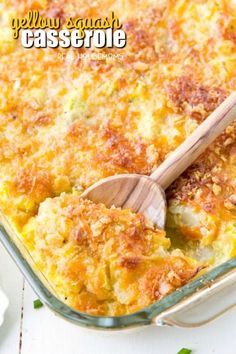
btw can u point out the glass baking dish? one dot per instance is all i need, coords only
(196, 303)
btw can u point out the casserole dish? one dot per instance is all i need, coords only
(67, 123)
(186, 307)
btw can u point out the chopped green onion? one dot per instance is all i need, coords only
(185, 351)
(37, 304)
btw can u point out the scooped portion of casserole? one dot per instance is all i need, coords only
(104, 261)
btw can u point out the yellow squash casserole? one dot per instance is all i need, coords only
(69, 118)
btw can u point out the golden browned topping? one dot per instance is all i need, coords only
(195, 99)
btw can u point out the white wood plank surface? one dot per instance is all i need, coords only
(45, 333)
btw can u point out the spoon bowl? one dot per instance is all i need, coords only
(136, 192)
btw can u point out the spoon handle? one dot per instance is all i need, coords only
(196, 143)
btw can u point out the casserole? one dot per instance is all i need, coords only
(66, 123)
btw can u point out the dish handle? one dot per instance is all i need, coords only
(204, 306)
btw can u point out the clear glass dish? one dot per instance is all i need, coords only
(172, 310)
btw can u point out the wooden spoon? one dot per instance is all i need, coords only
(146, 194)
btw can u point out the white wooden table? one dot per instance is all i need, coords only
(29, 331)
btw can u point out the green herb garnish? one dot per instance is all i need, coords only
(185, 351)
(37, 304)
